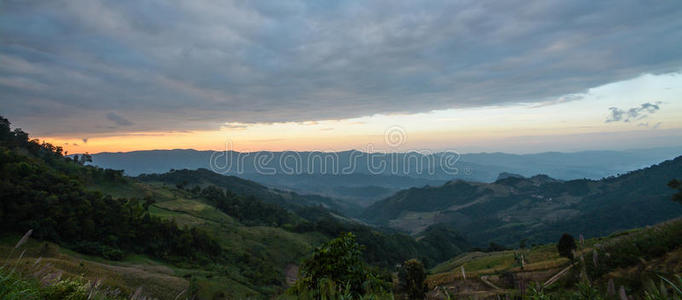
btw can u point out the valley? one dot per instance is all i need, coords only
(252, 240)
(340, 150)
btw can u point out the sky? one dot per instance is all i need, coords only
(467, 76)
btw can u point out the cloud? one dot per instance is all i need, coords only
(646, 124)
(199, 64)
(632, 114)
(118, 120)
(235, 126)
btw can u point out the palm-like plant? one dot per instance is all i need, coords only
(660, 292)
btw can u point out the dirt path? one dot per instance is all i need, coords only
(488, 283)
(556, 277)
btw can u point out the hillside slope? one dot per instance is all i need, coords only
(213, 238)
(536, 208)
(247, 188)
(632, 259)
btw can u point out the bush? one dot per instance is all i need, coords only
(566, 246)
(411, 279)
(336, 269)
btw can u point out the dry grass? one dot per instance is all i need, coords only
(156, 280)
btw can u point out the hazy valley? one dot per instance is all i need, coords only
(340, 150)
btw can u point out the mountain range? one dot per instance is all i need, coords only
(537, 208)
(363, 178)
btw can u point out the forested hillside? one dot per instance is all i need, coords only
(536, 209)
(43, 191)
(207, 228)
(191, 179)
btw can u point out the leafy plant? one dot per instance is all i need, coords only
(536, 292)
(661, 292)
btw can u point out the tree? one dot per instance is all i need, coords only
(676, 184)
(492, 247)
(338, 260)
(411, 279)
(522, 243)
(566, 246)
(336, 268)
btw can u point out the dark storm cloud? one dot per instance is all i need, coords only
(198, 64)
(633, 114)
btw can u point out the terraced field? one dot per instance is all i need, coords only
(487, 274)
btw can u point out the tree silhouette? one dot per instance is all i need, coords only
(676, 184)
(566, 246)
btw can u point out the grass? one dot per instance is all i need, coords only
(543, 261)
(249, 252)
(267, 248)
(133, 272)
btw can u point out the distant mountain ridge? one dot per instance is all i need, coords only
(473, 166)
(538, 208)
(330, 173)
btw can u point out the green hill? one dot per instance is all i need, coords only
(635, 259)
(536, 209)
(212, 236)
(203, 177)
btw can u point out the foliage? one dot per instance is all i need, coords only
(566, 246)
(255, 205)
(411, 279)
(538, 209)
(16, 285)
(587, 291)
(336, 268)
(45, 191)
(386, 249)
(661, 291)
(635, 249)
(536, 292)
(61, 198)
(248, 210)
(12, 287)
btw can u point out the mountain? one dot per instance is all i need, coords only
(538, 208)
(359, 189)
(363, 178)
(196, 232)
(474, 166)
(246, 188)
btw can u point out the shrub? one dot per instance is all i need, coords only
(566, 246)
(411, 279)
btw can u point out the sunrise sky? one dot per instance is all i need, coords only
(469, 76)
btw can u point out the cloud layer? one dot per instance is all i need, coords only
(66, 66)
